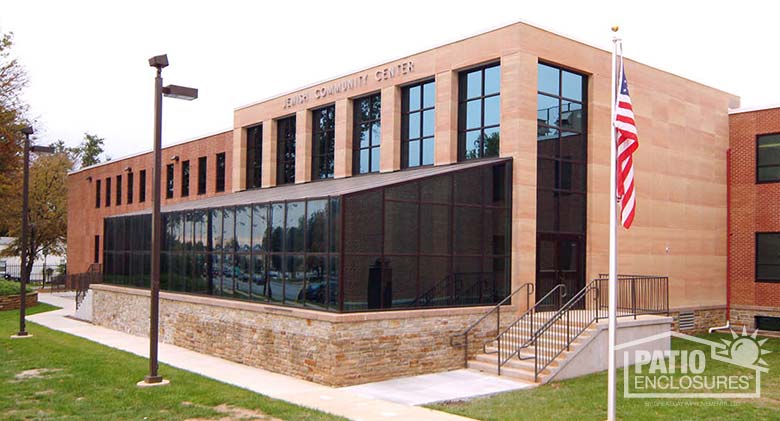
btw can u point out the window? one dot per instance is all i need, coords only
(108, 192)
(768, 158)
(285, 137)
(142, 186)
(129, 188)
(96, 258)
(479, 112)
(323, 142)
(221, 172)
(254, 157)
(202, 168)
(367, 134)
(169, 181)
(185, 178)
(417, 125)
(118, 190)
(97, 193)
(768, 257)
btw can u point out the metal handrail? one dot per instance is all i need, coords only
(562, 291)
(496, 309)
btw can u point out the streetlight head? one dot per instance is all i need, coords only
(28, 130)
(180, 92)
(159, 61)
(41, 149)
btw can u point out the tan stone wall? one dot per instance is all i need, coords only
(12, 302)
(332, 349)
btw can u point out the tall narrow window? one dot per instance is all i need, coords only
(323, 142)
(367, 134)
(169, 181)
(254, 156)
(96, 258)
(185, 178)
(768, 257)
(479, 112)
(142, 186)
(417, 123)
(202, 170)
(129, 188)
(97, 193)
(108, 192)
(118, 190)
(768, 158)
(221, 172)
(285, 166)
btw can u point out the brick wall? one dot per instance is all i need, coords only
(85, 221)
(754, 208)
(12, 302)
(331, 349)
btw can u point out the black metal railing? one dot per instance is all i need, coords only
(81, 283)
(637, 294)
(462, 288)
(40, 275)
(520, 334)
(527, 287)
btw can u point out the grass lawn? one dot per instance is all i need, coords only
(585, 398)
(55, 375)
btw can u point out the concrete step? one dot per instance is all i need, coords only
(521, 374)
(527, 364)
(528, 353)
(547, 340)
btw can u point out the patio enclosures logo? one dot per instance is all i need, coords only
(727, 369)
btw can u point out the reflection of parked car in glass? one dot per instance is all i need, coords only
(316, 289)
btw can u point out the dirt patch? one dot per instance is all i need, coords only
(231, 413)
(44, 392)
(36, 373)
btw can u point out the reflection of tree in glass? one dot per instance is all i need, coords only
(489, 146)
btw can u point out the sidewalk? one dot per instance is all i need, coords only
(300, 392)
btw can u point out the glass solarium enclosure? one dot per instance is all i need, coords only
(429, 237)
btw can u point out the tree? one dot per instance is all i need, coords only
(48, 208)
(88, 152)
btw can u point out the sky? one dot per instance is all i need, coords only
(87, 61)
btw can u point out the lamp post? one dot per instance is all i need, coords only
(180, 92)
(27, 131)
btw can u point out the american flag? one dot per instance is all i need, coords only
(627, 144)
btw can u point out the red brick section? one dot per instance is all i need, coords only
(754, 207)
(85, 221)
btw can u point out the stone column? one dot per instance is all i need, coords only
(343, 144)
(446, 135)
(303, 146)
(390, 149)
(269, 153)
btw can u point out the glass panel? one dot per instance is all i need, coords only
(364, 154)
(548, 110)
(435, 282)
(495, 185)
(435, 229)
(769, 174)
(260, 228)
(768, 272)
(228, 274)
(259, 286)
(429, 123)
(200, 283)
(427, 152)
(376, 133)
(277, 227)
(244, 228)
(401, 229)
(316, 293)
(468, 187)
(363, 223)
(492, 80)
(186, 232)
(549, 78)
(474, 114)
(275, 278)
(200, 229)
(375, 159)
(404, 191)
(429, 94)
(243, 270)
(335, 226)
(769, 150)
(364, 135)
(494, 231)
(359, 272)
(547, 142)
(572, 209)
(296, 219)
(472, 141)
(474, 84)
(571, 115)
(572, 86)
(294, 280)
(317, 226)
(546, 211)
(414, 153)
(468, 230)
(414, 98)
(436, 189)
(768, 248)
(545, 173)
(399, 283)
(228, 227)
(333, 283)
(414, 126)
(492, 110)
(491, 142)
(216, 274)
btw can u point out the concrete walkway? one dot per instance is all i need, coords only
(343, 402)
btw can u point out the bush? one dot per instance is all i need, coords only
(11, 287)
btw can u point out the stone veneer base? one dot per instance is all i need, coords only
(12, 302)
(326, 348)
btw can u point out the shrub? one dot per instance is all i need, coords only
(11, 287)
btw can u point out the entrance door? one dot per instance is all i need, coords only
(560, 259)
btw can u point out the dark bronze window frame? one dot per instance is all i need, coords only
(169, 181)
(758, 152)
(286, 138)
(185, 178)
(220, 169)
(317, 155)
(356, 123)
(254, 156)
(757, 263)
(142, 186)
(463, 101)
(406, 112)
(202, 174)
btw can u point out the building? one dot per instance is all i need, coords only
(754, 220)
(431, 185)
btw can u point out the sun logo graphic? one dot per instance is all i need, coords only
(726, 368)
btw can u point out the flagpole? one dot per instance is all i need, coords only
(611, 383)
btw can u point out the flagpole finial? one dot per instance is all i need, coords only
(615, 28)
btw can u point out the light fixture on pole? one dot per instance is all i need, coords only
(25, 275)
(173, 91)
